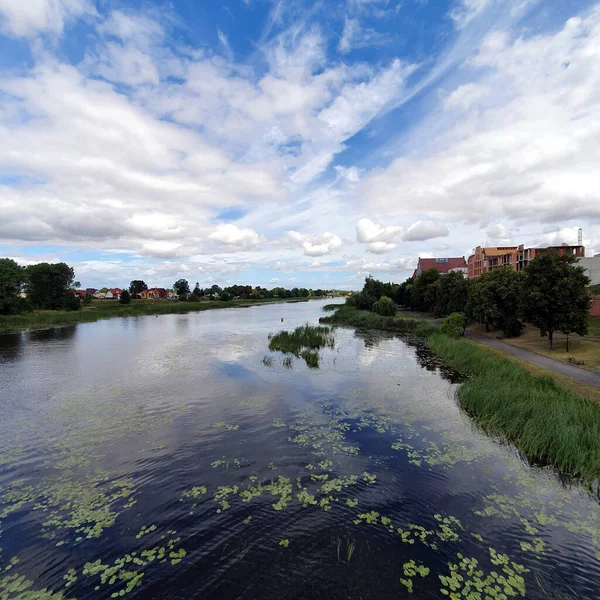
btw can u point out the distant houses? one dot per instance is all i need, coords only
(154, 294)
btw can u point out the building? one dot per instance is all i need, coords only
(483, 260)
(526, 255)
(441, 265)
(154, 293)
(591, 265)
(113, 294)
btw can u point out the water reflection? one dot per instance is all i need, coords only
(169, 438)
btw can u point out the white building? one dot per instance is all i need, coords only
(591, 265)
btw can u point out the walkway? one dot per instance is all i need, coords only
(562, 368)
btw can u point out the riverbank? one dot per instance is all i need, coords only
(107, 309)
(548, 424)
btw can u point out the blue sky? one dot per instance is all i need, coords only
(288, 143)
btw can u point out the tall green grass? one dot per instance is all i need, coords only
(352, 317)
(548, 424)
(305, 337)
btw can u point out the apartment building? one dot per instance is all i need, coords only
(484, 260)
(526, 255)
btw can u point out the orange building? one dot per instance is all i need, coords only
(525, 255)
(484, 260)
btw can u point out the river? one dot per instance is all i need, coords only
(165, 457)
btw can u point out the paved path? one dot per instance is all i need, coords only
(582, 375)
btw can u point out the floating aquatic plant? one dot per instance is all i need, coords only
(284, 543)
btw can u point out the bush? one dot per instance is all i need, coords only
(361, 300)
(385, 307)
(125, 297)
(454, 325)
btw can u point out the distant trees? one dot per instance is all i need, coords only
(12, 277)
(125, 297)
(554, 295)
(182, 288)
(49, 287)
(136, 287)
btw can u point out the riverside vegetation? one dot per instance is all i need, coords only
(548, 424)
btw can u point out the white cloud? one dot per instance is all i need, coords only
(26, 18)
(317, 244)
(424, 230)
(498, 231)
(355, 36)
(466, 95)
(529, 157)
(368, 232)
(232, 235)
(380, 247)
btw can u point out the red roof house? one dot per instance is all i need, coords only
(442, 265)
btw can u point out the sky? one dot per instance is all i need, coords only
(292, 143)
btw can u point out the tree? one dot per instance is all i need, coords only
(452, 294)
(12, 277)
(421, 297)
(555, 296)
(196, 294)
(454, 325)
(49, 286)
(385, 307)
(225, 296)
(136, 287)
(125, 297)
(182, 288)
(494, 301)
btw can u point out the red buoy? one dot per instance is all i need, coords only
(282, 319)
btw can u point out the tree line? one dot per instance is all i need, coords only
(242, 292)
(550, 293)
(51, 286)
(48, 287)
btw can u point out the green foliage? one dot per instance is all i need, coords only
(555, 296)
(225, 297)
(423, 293)
(125, 297)
(454, 325)
(182, 288)
(452, 293)
(136, 287)
(385, 307)
(49, 286)
(351, 317)
(494, 300)
(12, 277)
(302, 338)
(548, 424)
(372, 290)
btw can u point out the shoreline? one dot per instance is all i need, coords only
(549, 424)
(41, 320)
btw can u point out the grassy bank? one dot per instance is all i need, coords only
(547, 423)
(352, 317)
(106, 309)
(580, 349)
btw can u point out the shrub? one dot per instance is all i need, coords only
(454, 325)
(361, 300)
(125, 297)
(385, 307)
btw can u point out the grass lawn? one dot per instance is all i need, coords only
(579, 349)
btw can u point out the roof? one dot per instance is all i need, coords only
(442, 265)
(500, 250)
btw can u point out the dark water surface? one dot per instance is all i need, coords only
(161, 458)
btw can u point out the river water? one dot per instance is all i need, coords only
(165, 457)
